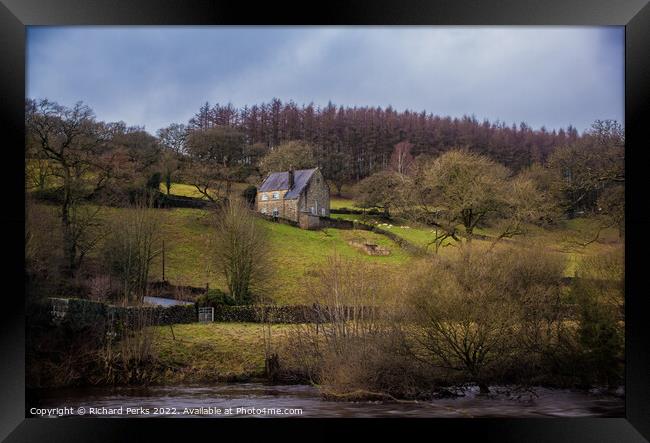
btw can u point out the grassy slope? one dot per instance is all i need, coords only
(298, 253)
(295, 252)
(555, 240)
(204, 352)
(186, 190)
(341, 202)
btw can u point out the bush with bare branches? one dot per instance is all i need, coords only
(131, 247)
(476, 316)
(354, 349)
(241, 252)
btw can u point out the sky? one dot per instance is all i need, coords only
(154, 76)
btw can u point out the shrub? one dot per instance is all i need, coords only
(241, 252)
(215, 297)
(487, 315)
(128, 252)
(599, 291)
(153, 182)
(354, 349)
(249, 194)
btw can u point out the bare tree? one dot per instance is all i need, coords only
(590, 166)
(210, 180)
(381, 190)
(294, 154)
(75, 146)
(524, 204)
(170, 167)
(464, 189)
(129, 251)
(241, 251)
(474, 315)
(217, 153)
(38, 170)
(173, 137)
(343, 347)
(401, 160)
(458, 187)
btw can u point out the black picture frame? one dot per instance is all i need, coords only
(15, 15)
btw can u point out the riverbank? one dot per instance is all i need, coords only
(263, 400)
(213, 352)
(222, 365)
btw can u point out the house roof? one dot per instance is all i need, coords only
(279, 181)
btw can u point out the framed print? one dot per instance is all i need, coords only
(429, 216)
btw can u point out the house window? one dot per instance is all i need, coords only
(263, 211)
(322, 211)
(276, 196)
(313, 210)
(265, 197)
(275, 212)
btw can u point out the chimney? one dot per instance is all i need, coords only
(291, 177)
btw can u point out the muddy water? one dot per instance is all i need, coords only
(259, 400)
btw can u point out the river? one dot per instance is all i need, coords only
(261, 400)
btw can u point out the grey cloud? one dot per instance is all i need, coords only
(154, 76)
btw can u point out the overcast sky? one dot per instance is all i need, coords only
(153, 76)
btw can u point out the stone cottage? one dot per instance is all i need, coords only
(301, 196)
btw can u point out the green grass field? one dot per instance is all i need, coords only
(213, 352)
(185, 190)
(560, 239)
(415, 233)
(297, 253)
(342, 202)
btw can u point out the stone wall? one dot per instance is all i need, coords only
(291, 209)
(309, 221)
(326, 222)
(288, 314)
(278, 220)
(81, 312)
(316, 196)
(177, 201)
(286, 208)
(337, 223)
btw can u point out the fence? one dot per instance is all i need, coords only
(206, 314)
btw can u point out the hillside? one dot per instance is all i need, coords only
(297, 254)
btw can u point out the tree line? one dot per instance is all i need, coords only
(460, 190)
(444, 172)
(358, 141)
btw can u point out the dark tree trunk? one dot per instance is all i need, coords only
(69, 246)
(272, 367)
